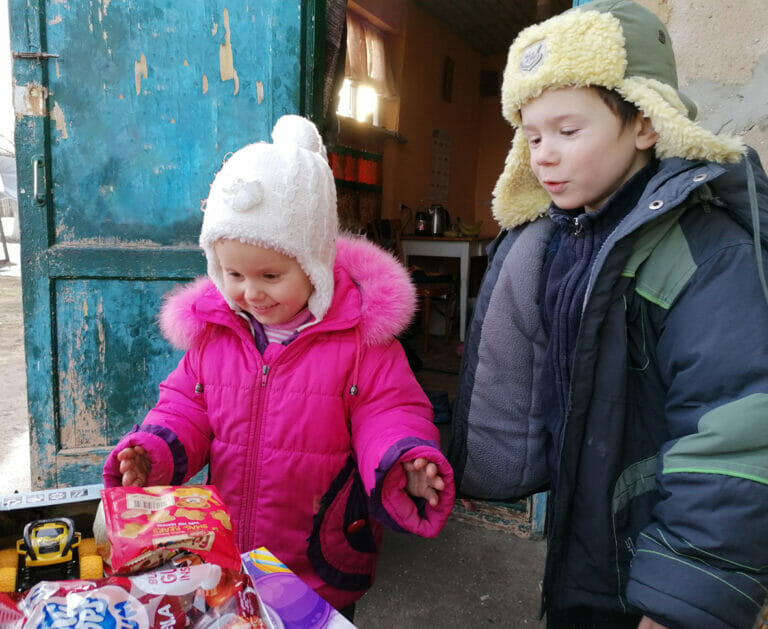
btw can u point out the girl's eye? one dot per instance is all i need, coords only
(568, 131)
(271, 276)
(534, 141)
(234, 275)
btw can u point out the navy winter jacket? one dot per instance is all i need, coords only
(661, 500)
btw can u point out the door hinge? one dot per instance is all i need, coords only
(40, 56)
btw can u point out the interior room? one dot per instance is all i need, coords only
(419, 127)
(436, 135)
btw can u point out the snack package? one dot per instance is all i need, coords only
(202, 596)
(147, 526)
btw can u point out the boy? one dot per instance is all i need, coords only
(618, 353)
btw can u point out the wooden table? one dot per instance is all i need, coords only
(440, 247)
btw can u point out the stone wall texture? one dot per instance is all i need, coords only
(722, 61)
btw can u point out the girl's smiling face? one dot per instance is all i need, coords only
(581, 153)
(272, 287)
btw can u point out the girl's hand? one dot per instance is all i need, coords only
(647, 623)
(423, 480)
(134, 466)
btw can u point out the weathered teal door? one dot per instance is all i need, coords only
(125, 109)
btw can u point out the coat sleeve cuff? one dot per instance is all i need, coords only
(392, 505)
(160, 455)
(678, 591)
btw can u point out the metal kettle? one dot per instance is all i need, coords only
(438, 219)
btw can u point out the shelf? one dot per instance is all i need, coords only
(356, 128)
(356, 185)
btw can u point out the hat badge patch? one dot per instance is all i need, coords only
(533, 56)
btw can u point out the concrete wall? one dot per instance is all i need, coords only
(722, 58)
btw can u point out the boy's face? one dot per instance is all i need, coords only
(269, 285)
(580, 152)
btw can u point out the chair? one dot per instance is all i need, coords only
(439, 287)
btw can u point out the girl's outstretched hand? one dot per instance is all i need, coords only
(423, 480)
(134, 466)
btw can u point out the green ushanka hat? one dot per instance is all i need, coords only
(617, 44)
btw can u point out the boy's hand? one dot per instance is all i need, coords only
(134, 466)
(423, 480)
(647, 623)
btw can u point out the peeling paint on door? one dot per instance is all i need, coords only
(140, 71)
(226, 61)
(29, 100)
(57, 115)
(123, 162)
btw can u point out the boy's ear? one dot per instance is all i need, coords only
(646, 135)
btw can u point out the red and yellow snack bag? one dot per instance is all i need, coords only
(147, 526)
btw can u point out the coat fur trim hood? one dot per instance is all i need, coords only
(387, 297)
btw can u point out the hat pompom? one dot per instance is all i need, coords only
(296, 130)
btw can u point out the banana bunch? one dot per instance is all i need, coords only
(471, 230)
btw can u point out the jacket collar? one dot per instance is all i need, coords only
(373, 292)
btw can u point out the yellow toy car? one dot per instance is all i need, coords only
(51, 550)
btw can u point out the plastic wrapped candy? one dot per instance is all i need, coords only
(203, 596)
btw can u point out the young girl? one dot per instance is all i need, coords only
(293, 389)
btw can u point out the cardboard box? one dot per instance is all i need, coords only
(289, 602)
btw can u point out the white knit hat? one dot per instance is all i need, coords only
(616, 44)
(278, 196)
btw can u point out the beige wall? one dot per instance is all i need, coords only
(423, 109)
(722, 60)
(479, 137)
(494, 140)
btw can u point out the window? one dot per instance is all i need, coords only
(367, 75)
(359, 101)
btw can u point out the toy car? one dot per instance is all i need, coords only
(50, 550)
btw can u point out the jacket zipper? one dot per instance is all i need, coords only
(553, 571)
(578, 228)
(254, 452)
(554, 565)
(256, 430)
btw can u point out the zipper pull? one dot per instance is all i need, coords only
(264, 372)
(577, 227)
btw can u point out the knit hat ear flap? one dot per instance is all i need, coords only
(279, 196)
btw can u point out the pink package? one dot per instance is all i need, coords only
(147, 526)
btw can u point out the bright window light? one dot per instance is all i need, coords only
(367, 104)
(346, 101)
(358, 101)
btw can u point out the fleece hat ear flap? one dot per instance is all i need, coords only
(517, 197)
(616, 44)
(278, 196)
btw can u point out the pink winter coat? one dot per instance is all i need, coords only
(304, 443)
